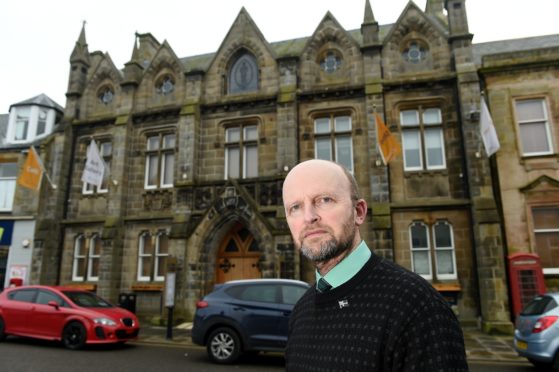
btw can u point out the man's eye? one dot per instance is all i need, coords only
(294, 208)
(323, 201)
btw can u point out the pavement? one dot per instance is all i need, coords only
(480, 347)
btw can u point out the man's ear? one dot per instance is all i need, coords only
(360, 211)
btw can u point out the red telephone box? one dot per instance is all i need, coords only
(526, 279)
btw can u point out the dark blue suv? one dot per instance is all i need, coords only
(245, 315)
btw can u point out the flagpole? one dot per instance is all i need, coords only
(379, 151)
(43, 168)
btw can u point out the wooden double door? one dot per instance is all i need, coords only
(238, 256)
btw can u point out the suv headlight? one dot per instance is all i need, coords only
(104, 321)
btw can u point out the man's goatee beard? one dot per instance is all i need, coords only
(328, 250)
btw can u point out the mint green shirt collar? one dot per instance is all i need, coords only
(348, 267)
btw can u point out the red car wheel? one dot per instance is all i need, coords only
(74, 336)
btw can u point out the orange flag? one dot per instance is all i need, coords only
(389, 146)
(32, 172)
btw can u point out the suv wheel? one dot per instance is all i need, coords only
(224, 346)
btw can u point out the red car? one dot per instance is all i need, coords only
(74, 316)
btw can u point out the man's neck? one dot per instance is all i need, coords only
(325, 266)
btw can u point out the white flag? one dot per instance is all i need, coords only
(94, 166)
(488, 132)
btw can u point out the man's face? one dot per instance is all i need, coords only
(320, 212)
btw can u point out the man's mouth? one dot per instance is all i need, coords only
(314, 233)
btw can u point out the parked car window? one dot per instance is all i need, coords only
(258, 293)
(292, 293)
(44, 297)
(539, 305)
(23, 295)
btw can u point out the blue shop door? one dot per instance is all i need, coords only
(3, 263)
(6, 230)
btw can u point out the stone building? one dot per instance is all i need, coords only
(520, 80)
(197, 149)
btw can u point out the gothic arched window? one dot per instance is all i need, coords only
(243, 75)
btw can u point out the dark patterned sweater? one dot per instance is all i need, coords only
(385, 318)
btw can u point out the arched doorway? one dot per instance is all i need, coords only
(238, 256)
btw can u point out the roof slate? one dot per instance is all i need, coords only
(282, 49)
(513, 45)
(294, 47)
(40, 100)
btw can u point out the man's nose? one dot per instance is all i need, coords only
(311, 214)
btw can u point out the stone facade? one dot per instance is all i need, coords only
(519, 77)
(208, 107)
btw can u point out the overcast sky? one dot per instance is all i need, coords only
(38, 36)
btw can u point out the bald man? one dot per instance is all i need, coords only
(364, 313)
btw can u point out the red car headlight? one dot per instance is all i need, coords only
(104, 321)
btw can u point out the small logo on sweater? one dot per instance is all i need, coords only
(343, 303)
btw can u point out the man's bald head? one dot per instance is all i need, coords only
(324, 167)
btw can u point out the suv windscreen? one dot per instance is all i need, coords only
(539, 305)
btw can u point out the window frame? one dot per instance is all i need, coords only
(546, 120)
(29, 118)
(535, 231)
(94, 257)
(451, 248)
(151, 259)
(429, 275)
(10, 182)
(254, 84)
(165, 85)
(161, 155)
(77, 258)
(420, 48)
(24, 115)
(142, 256)
(332, 136)
(433, 249)
(329, 56)
(241, 144)
(41, 122)
(420, 128)
(86, 257)
(159, 256)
